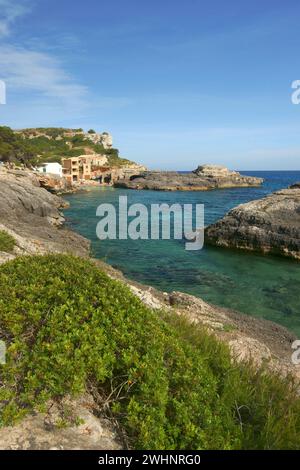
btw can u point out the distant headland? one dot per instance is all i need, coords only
(204, 178)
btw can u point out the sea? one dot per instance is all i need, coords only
(261, 286)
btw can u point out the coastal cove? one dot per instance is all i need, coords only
(262, 286)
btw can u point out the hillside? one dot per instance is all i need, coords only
(31, 147)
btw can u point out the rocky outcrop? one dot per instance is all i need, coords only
(77, 429)
(31, 215)
(205, 177)
(268, 225)
(54, 183)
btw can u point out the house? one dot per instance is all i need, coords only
(53, 168)
(84, 168)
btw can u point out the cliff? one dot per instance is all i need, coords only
(204, 178)
(32, 216)
(269, 225)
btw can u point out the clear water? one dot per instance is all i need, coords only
(261, 286)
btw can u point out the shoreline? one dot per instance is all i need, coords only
(35, 232)
(263, 345)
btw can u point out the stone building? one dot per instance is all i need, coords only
(83, 168)
(96, 168)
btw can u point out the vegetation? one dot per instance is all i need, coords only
(13, 148)
(170, 385)
(7, 242)
(115, 160)
(32, 147)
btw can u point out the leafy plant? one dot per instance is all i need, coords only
(7, 242)
(170, 385)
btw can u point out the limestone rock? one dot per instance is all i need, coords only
(40, 431)
(268, 225)
(31, 215)
(54, 183)
(205, 177)
(214, 171)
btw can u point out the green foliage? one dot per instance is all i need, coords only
(73, 153)
(13, 148)
(31, 148)
(91, 131)
(7, 242)
(80, 141)
(169, 384)
(116, 161)
(48, 149)
(98, 148)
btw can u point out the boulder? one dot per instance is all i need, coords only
(268, 225)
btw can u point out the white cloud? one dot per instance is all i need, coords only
(10, 10)
(24, 69)
(36, 76)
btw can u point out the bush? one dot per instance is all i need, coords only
(79, 140)
(13, 148)
(170, 385)
(7, 242)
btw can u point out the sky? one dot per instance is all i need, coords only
(177, 83)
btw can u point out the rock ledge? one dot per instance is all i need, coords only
(204, 178)
(268, 225)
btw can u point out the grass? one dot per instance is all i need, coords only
(170, 385)
(7, 242)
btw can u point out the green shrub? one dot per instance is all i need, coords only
(7, 242)
(170, 385)
(13, 148)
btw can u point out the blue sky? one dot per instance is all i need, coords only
(176, 83)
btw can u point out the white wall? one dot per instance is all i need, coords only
(53, 168)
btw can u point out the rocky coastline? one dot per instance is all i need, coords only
(204, 178)
(33, 217)
(270, 225)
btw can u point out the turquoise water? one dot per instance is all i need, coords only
(261, 286)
